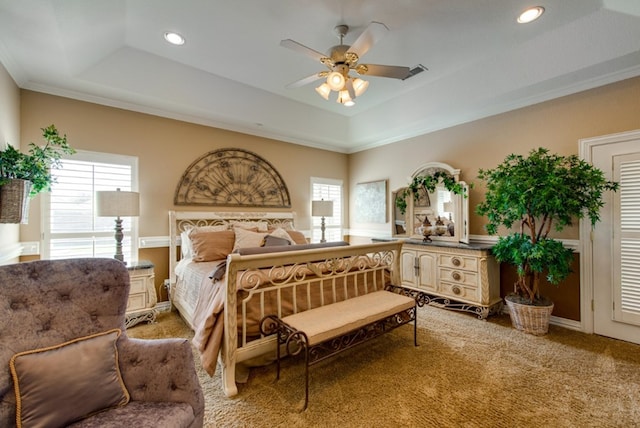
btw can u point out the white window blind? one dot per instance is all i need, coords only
(71, 227)
(627, 305)
(329, 190)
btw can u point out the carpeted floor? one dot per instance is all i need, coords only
(465, 373)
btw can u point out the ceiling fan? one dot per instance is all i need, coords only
(341, 59)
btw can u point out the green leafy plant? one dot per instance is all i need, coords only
(35, 166)
(426, 184)
(540, 193)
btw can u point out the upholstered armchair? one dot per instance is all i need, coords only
(66, 359)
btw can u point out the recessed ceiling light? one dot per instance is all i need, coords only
(530, 14)
(174, 38)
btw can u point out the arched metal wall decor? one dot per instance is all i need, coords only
(234, 178)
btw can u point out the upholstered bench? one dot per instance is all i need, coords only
(328, 330)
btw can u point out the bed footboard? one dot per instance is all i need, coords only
(290, 282)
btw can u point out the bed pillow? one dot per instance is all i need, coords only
(186, 247)
(261, 226)
(247, 238)
(297, 237)
(278, 235)
(274, 241)
(210, 246)
(60, 384)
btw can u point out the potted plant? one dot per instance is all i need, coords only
(539, 193)
(24, 175)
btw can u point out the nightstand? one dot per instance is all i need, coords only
(142, 294)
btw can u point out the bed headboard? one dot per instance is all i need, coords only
(179, 221)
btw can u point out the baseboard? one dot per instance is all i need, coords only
(164, 306)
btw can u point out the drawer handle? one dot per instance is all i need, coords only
(456, 261)
(456, 276)
(456, 290)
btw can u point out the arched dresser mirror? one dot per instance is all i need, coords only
(446, 213)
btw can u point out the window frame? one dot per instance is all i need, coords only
(45, 205)
(333, 223)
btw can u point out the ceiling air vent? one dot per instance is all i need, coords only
(416, 70)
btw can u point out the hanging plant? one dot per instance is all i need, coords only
(36, 165)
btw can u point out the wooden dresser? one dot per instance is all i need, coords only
(452, 275)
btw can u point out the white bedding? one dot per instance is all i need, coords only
(190, 278)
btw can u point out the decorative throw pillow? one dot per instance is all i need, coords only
(60, 384)
(210, 246)
(297, 237)
(282, 234)
(274, 241)
(247, 238)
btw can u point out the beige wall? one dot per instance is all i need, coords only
(165, 148)
(9, 133)
(556, 125)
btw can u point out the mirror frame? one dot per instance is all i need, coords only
(410, 223)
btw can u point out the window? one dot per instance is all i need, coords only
(329, 190)
(71, 228)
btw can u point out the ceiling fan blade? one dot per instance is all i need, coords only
(393, 71)
(306, 80)
(374, 32)
(293, 45)
(352, 92)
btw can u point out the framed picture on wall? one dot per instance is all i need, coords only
(371, 202)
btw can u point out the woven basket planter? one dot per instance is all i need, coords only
(14, 201)
(528, 318)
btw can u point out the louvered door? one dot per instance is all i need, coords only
(613, 255)
(626, 240)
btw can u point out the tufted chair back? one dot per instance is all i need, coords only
(48, 302)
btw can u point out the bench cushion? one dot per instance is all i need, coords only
(336, 319)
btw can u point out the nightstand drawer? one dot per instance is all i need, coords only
(137, 302)
(138, 285)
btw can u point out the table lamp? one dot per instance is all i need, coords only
(322, 209)
(118, 204)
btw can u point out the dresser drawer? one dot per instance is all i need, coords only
(457, 276)
(459, 291)
(457, 261)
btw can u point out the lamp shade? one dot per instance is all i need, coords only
(322, 208)
(324, 90)
(335, 81)
(117, 203)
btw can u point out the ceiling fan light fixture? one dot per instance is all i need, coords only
(530, 14)
(344, 98)
(324, 90)
(360, 86)
(335, 81)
